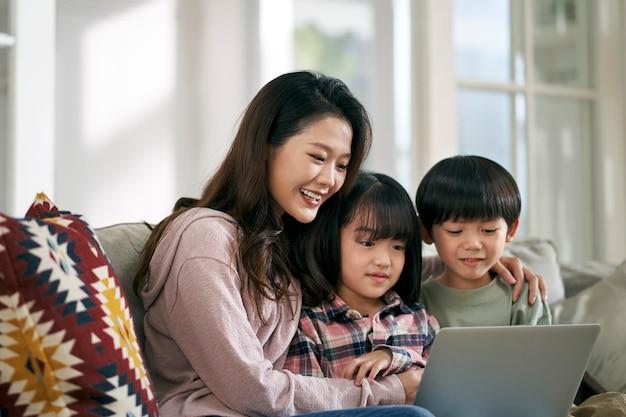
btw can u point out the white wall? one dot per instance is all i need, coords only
(29, 140)
(147, 97)
(149, 93)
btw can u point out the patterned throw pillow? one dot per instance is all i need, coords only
(67, 341)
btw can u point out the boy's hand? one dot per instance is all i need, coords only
(513, 271)
(367, 365)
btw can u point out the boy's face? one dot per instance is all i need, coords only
(469, 249)
(369, 268)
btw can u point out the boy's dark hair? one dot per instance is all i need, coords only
(386, 208)
(467, 188)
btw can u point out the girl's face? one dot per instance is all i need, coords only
(469, 249)
(369, 268)
(309, 168)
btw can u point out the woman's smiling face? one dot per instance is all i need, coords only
(309, 168)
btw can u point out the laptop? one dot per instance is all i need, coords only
(512, 371)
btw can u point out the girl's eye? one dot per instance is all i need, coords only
(400, 248)
(318, 158)
(342, 167)
(454, 232)
(367, 243)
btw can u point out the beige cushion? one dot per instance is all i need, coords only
(579, 275)
(122, 244)
(603, 303)
(540, 256)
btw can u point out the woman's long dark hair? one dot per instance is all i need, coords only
(376, 201)
(281, 109)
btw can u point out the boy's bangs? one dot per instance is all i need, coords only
(468, 206)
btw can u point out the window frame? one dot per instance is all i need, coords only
(434, 107)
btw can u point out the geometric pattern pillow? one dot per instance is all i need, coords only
(67, 340)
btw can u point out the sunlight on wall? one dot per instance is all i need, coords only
(141, 74)
(124, 140)
(402, 92)
(276, 33)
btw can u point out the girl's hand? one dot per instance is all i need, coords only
(513, 271)
(367, 365)
(411, 379)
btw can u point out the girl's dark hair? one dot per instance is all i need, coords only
(281, 109)
(376, 201)
(467, 188)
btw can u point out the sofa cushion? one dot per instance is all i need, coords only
(541, 257)
(579, 275)
(602, 303)
(67, 342)
(123, 243)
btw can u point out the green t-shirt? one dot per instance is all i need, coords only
(490, 305)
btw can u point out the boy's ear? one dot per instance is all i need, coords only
(512, 229)
(425, 235)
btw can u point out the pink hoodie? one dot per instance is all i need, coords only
(209, 353)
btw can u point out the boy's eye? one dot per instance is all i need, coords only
(490, 231)
(454, 232)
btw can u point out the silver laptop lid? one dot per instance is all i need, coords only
(512, 371)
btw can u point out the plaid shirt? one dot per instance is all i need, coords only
(331, 335)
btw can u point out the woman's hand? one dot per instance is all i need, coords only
(367, 365)
(411, 379)
(513, 271)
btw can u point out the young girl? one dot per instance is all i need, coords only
(221, 302)
(367, 321)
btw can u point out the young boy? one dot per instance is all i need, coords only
(469, 207)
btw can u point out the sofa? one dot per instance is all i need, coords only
(583, 292)
(72, 328)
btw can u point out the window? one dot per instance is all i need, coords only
(336, 37)
(529, 83)
(527, 97)
(366, 43)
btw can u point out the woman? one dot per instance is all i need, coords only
(222, 305)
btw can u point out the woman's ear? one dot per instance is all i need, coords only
(512, 230)
(425, 235)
